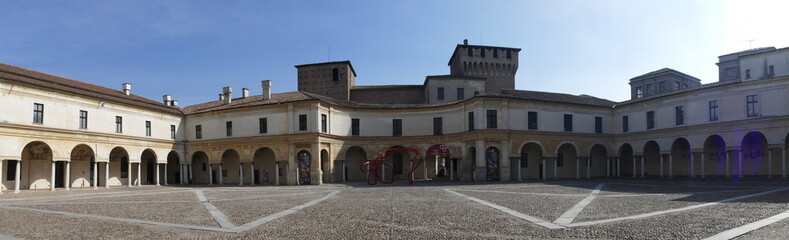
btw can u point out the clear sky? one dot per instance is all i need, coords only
(191, 49)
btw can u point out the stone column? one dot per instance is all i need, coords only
(424, 169)
(618, 172)
(165, 174)
(520, 170)
(577, 168)
(251, 173)
(661, 165)
(769, 162)
(95, 174)
(183, 173)
(343, 171)
(276, 174)
(544, 173)
(588, 168)
(452, 170)
(608, 167)
(703, 162)
(156, 175)
(52, 183)
(643, 174)
(783, 162)
(555, 167)
(670, 166)
(189, 169)
(221, 175)
(240, 174)
(129, 174)
(1, 175)
(692, 164)
(634, 166)
(739, 163)
(210, 174)
(107, 174)
(728, 160)
(18, 176)
(67, 180)
(139, 173)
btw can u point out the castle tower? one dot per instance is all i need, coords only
(497, 64)
(331, 79)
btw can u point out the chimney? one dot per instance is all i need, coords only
(465, 41)
(266, 89)
(228, 92)
(221, 97)
(167, 99)
(174, 103)
(244, 92)
(126, 88)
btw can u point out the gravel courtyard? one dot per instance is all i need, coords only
(601, 209)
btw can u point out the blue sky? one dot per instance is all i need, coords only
(191, 49)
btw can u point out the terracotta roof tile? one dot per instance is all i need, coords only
(250, 101)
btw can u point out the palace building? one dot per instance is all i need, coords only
(469, 125)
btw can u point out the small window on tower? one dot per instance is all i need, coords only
(482, 52)
(509, 54)
(335, 74)
(469, 52)
(495, 53)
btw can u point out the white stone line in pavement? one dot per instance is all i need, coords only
(161, 224)
(522, 193)
(219, 217)
(734, 232)
(570, 215)
(5, 237)
(672, 193)
(652, 214)
(506, 210)
(90, 195)
(268, 218)
(80, 203)
(689, 186)
(267, 196)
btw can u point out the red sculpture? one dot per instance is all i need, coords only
(371, 167)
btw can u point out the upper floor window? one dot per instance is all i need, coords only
(495, 53)
(38, 113)
(714, 110)
(397, 127)
(303, 122)
(335, 74)
(770, 70)
(731, 72)
(532, 121)
(460, 94)
(747, 74)
(440, 93)
(492, 119)
(172, 131)
(83, 119)
(598, 124)
(229, 128)
(354, 126)
(324, 123)
(118, 124)
(684, 85)
(263, 125)
(199, 131)
(661, 87)
(625, 124)
(650, 89)
(568, 122)
(752, 105)
(639, 92)
(482, 52)
(509, 54)
(677, 85)
(469, 53)
(650, 119)
(680, 115)
(438, 126)
(476, 93)
(471, 121)
(148, 128)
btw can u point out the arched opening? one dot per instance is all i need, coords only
(354, 157)
(400, 163)
(566, 163)
(531, 161)
(652, 159)
(326, 166)
(35, 155)
(714, 157)
(149, 167)
(437, 162)
(627, 164)
(119, 167)
(265, 162)
(201, 172)
(754, 150)
(304, 162)
(229, 166)
(173, 169)
(680, 157)
(492, 159)
(598, 161)
(84, 169)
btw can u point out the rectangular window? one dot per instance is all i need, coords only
(625, 124)
(471, 121)
(199, 132)
(438, 126)
(677, 85)
(469, 53)
(568, 122)
(752, 103)
(714, 110)
(650, 89)
(38, 113)
(509, 54)
(482, 52)
(639, 92)
(747, 74)
(172, 131)
(598, 124)
(397, 127)
(476, 93)
(560, 160)
(532, 120)
(771, 70)
(684, 86)
(495, 53)
(229, 128)
(10, 172)
(460, 94)
(680, 115)
(83, 119)
(524, 160)
(731, 72)
(148, 128)
(354, 126)
(118, 124)
(335, 74)
(324, 123)
(650, 119)
(303, 122)
(661, 87)
(263, 125)
(492, 119)
(440, 93)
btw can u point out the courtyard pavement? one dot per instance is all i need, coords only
(598, 209)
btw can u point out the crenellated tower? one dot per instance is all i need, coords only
(497, 64)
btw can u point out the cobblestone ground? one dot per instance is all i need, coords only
(599, 209)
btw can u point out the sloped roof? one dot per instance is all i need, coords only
(662, 72)
(556, 97)
(250, 101)
(385, 87)
(27, 76)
